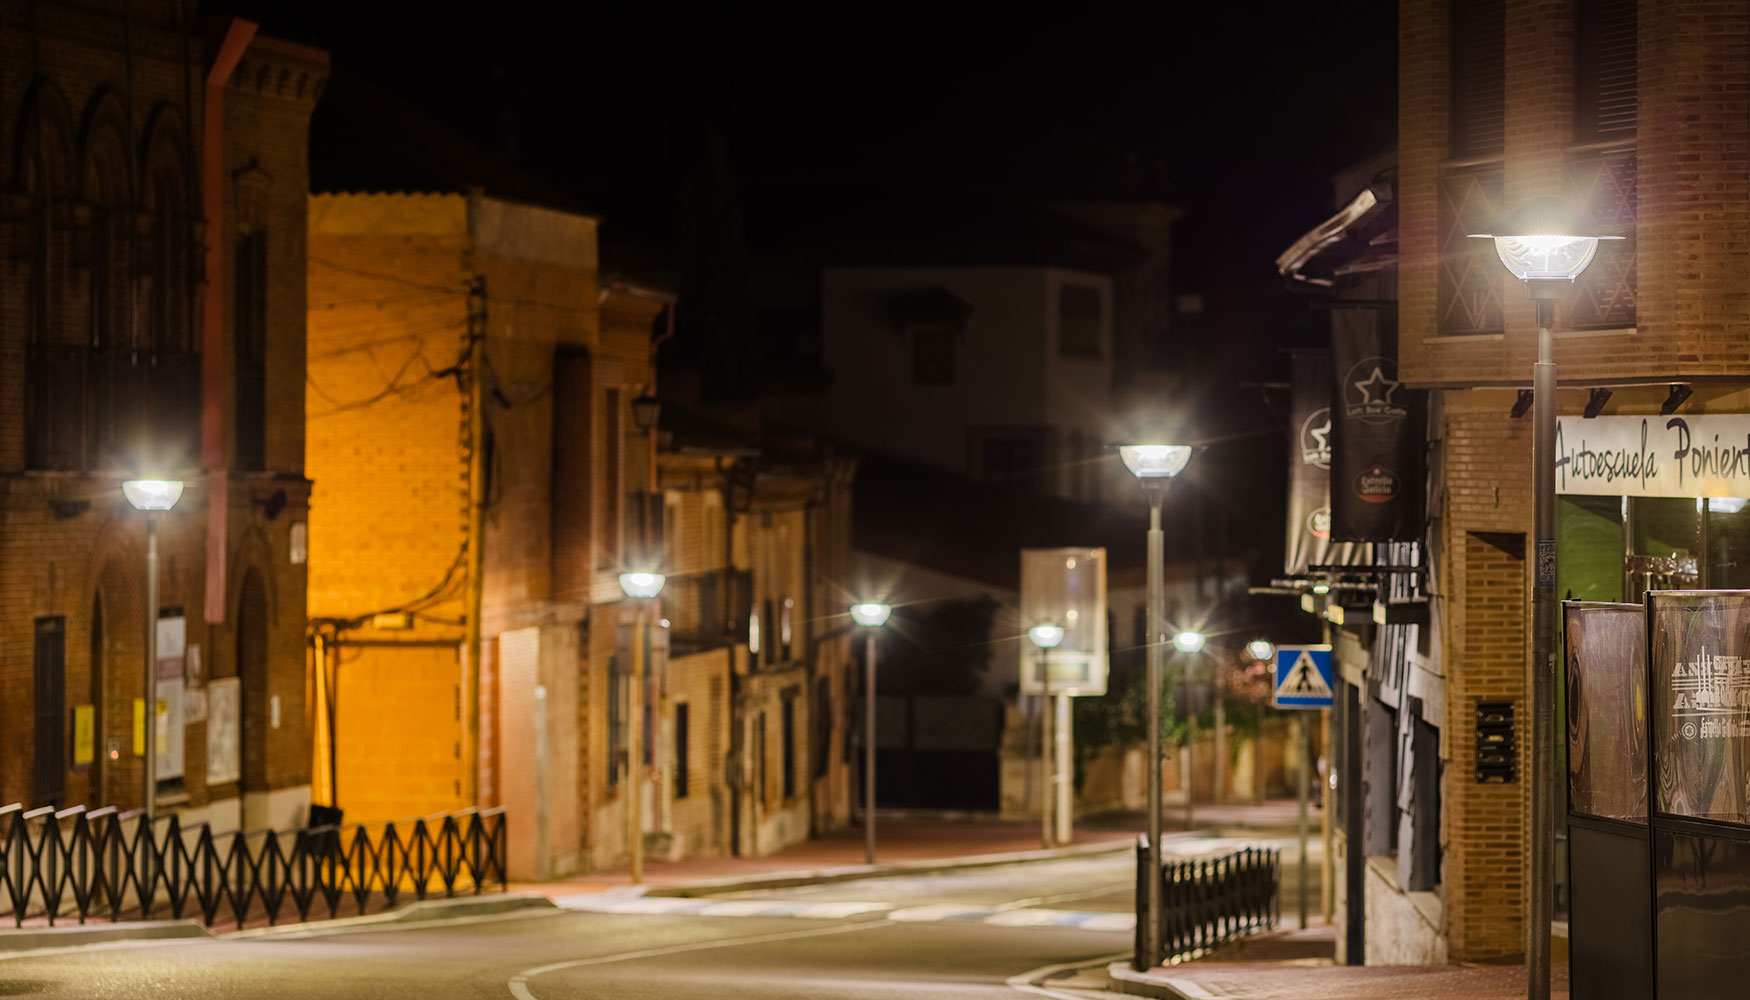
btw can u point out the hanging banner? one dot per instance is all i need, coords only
(1309, 468)
(1607, 697)
(1695, 456)
(1701, 703)
(1377, 432)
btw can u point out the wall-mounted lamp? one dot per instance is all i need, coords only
(1522, 405)
(1595, 405)
(1680, 391)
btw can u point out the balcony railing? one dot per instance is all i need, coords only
(707, 610)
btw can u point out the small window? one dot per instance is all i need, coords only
(616, 720)
(1478, 77)
(763, 791)
(822, 749)
(1007, 459)
(681, 760)
(1078, 321)
(1605, 77)
(932, 356)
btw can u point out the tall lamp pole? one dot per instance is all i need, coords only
(1542, 244)
(1188, 643)
(870, 615)
(642, 588)
(1154, 465)
(152, 496)
(1045, 637)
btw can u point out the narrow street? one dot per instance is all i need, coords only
(952, 935)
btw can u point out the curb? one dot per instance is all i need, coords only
(422, 911)
(1147, 984)
(853, 873)
(79, 935)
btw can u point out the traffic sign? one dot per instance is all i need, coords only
(1304, 677)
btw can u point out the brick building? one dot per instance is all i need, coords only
(154, 325)
(1636, 114)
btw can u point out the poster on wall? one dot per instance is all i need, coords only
(172, 636)
(1309, 469)
(1378, 430)
(1701, 703)
(223, 744)
(1607, 726)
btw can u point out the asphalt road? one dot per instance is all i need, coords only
(957, 935)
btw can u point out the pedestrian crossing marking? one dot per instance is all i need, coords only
(994, 916)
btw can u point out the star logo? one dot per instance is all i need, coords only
(1315, 439)
(1376, 389)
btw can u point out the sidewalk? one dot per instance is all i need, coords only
(910, 844)
(1296, 965)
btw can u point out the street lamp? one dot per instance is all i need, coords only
(1545, 245)
(152, 496)
(642, 586)
(870, 615)
(1154, 465)
(1260, 650)
(1046, 637)
(1189, 642)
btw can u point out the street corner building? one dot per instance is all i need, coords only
(153, 327)
(1639, 118)
(483, 428)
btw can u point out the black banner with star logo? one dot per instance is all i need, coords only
(1378, 431)
(1309, 468)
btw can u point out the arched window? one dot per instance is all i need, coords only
(117, 369)
(175, 397)
(55, 385)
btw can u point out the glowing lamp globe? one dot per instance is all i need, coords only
(642, 584)
(1045, 636)
(1155, 461)
(1188, 642)
(1260, 650)
(1544, 241)
(152, 494)
(871, 614)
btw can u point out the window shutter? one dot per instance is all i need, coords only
(1605, 80)
(1479, 76)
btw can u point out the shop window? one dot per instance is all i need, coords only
(1079, 311)
(1425, 769)
(1478, 75)
(932, 356)
(1605, 78)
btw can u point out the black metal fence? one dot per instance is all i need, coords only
(1206, 902)
(97, 864)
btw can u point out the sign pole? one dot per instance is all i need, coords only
(1303, 732)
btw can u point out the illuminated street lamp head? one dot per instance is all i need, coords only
(1544, 241)
(871, 614)
(1188, 641)
(1045, 636)
(1321, 588)
(1260, 650)
(152, 494)
(642, 583)
(1155, 461)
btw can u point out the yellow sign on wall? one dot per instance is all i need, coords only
(84, 735)
(139, 727)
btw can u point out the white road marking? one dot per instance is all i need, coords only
(518, 984)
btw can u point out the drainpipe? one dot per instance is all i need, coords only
(236, 38)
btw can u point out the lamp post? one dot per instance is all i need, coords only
(1045, 638)
(1544, 245)
(641, 587)
(153, 496)
(1154, 465)
(870, 615)
(1186, 643)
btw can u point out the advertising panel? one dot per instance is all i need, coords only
(1701, 703)
(1067, 588)
(1607, 697)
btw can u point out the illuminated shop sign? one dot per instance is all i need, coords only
(1654, 456)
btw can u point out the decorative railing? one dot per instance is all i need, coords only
(61, 865)
(1207, 902)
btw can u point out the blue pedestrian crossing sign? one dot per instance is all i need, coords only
(1304, 677)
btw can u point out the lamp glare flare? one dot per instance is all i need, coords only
(642, 584)
(1155, 461)
(152, 494)
(1537, 258)
(871, 614)
(1188, 642)
(1045, 636)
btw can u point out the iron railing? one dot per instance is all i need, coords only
(58, 865)
(1206, 902)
